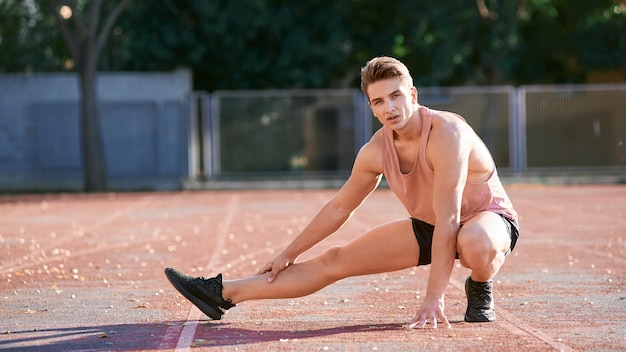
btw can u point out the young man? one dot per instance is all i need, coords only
(447, 180)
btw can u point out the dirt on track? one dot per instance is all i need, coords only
(85, 272)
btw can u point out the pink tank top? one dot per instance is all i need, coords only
(415, 189)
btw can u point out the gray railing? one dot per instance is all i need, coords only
(156, 137)
(318, 132)
(274, 133)
(576, 127)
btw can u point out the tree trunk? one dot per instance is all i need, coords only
(85, 44)
(94, 170)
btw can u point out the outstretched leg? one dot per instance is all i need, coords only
(388, 247)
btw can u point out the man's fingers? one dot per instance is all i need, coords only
(421, 323)
(272, 275)
(417, 323)
(266, 268)
(445, 321)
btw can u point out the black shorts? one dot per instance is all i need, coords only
(424, 235)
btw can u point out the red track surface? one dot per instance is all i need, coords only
(85, 272)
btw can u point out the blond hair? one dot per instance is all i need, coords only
(384, 67)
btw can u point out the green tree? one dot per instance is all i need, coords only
(562, 40)
(240, 44)
(257, 44)
(29, 41)
(85, 26)
(279, 44)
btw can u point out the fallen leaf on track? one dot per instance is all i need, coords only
(143, 305)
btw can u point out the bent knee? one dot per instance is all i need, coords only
(484, 235)
(478, 249)
(475, 241)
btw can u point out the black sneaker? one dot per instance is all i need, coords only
(480, 306)
(206, 294)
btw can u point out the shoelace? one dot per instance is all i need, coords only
(211, 284)
(214, 287)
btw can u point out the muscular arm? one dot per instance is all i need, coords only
(448, 152)
(449, 156)
(365, 176)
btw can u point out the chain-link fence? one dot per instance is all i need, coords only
(319, 132)
(578, 127)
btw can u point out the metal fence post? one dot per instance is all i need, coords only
(362, 121)
(211, 135)
(519, 133)
(193, 148)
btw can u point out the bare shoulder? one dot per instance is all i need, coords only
(449, 124)
(453, 135)
(370, 156)
(448, 133)
(365, 176)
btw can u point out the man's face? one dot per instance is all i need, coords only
(392, 102)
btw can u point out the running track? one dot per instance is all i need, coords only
(85, 272)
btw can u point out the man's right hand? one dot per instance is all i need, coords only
(431, 311)
(275, 266)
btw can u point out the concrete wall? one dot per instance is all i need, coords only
(144, 121)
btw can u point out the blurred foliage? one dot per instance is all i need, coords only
(563, 40)
(29, 41)
(260, 44)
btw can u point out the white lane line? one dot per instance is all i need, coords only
(189, 327)
(189, 330)
(174, 334)
(223, 232)
(518, 327)
(516, 324)
(30, 259)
